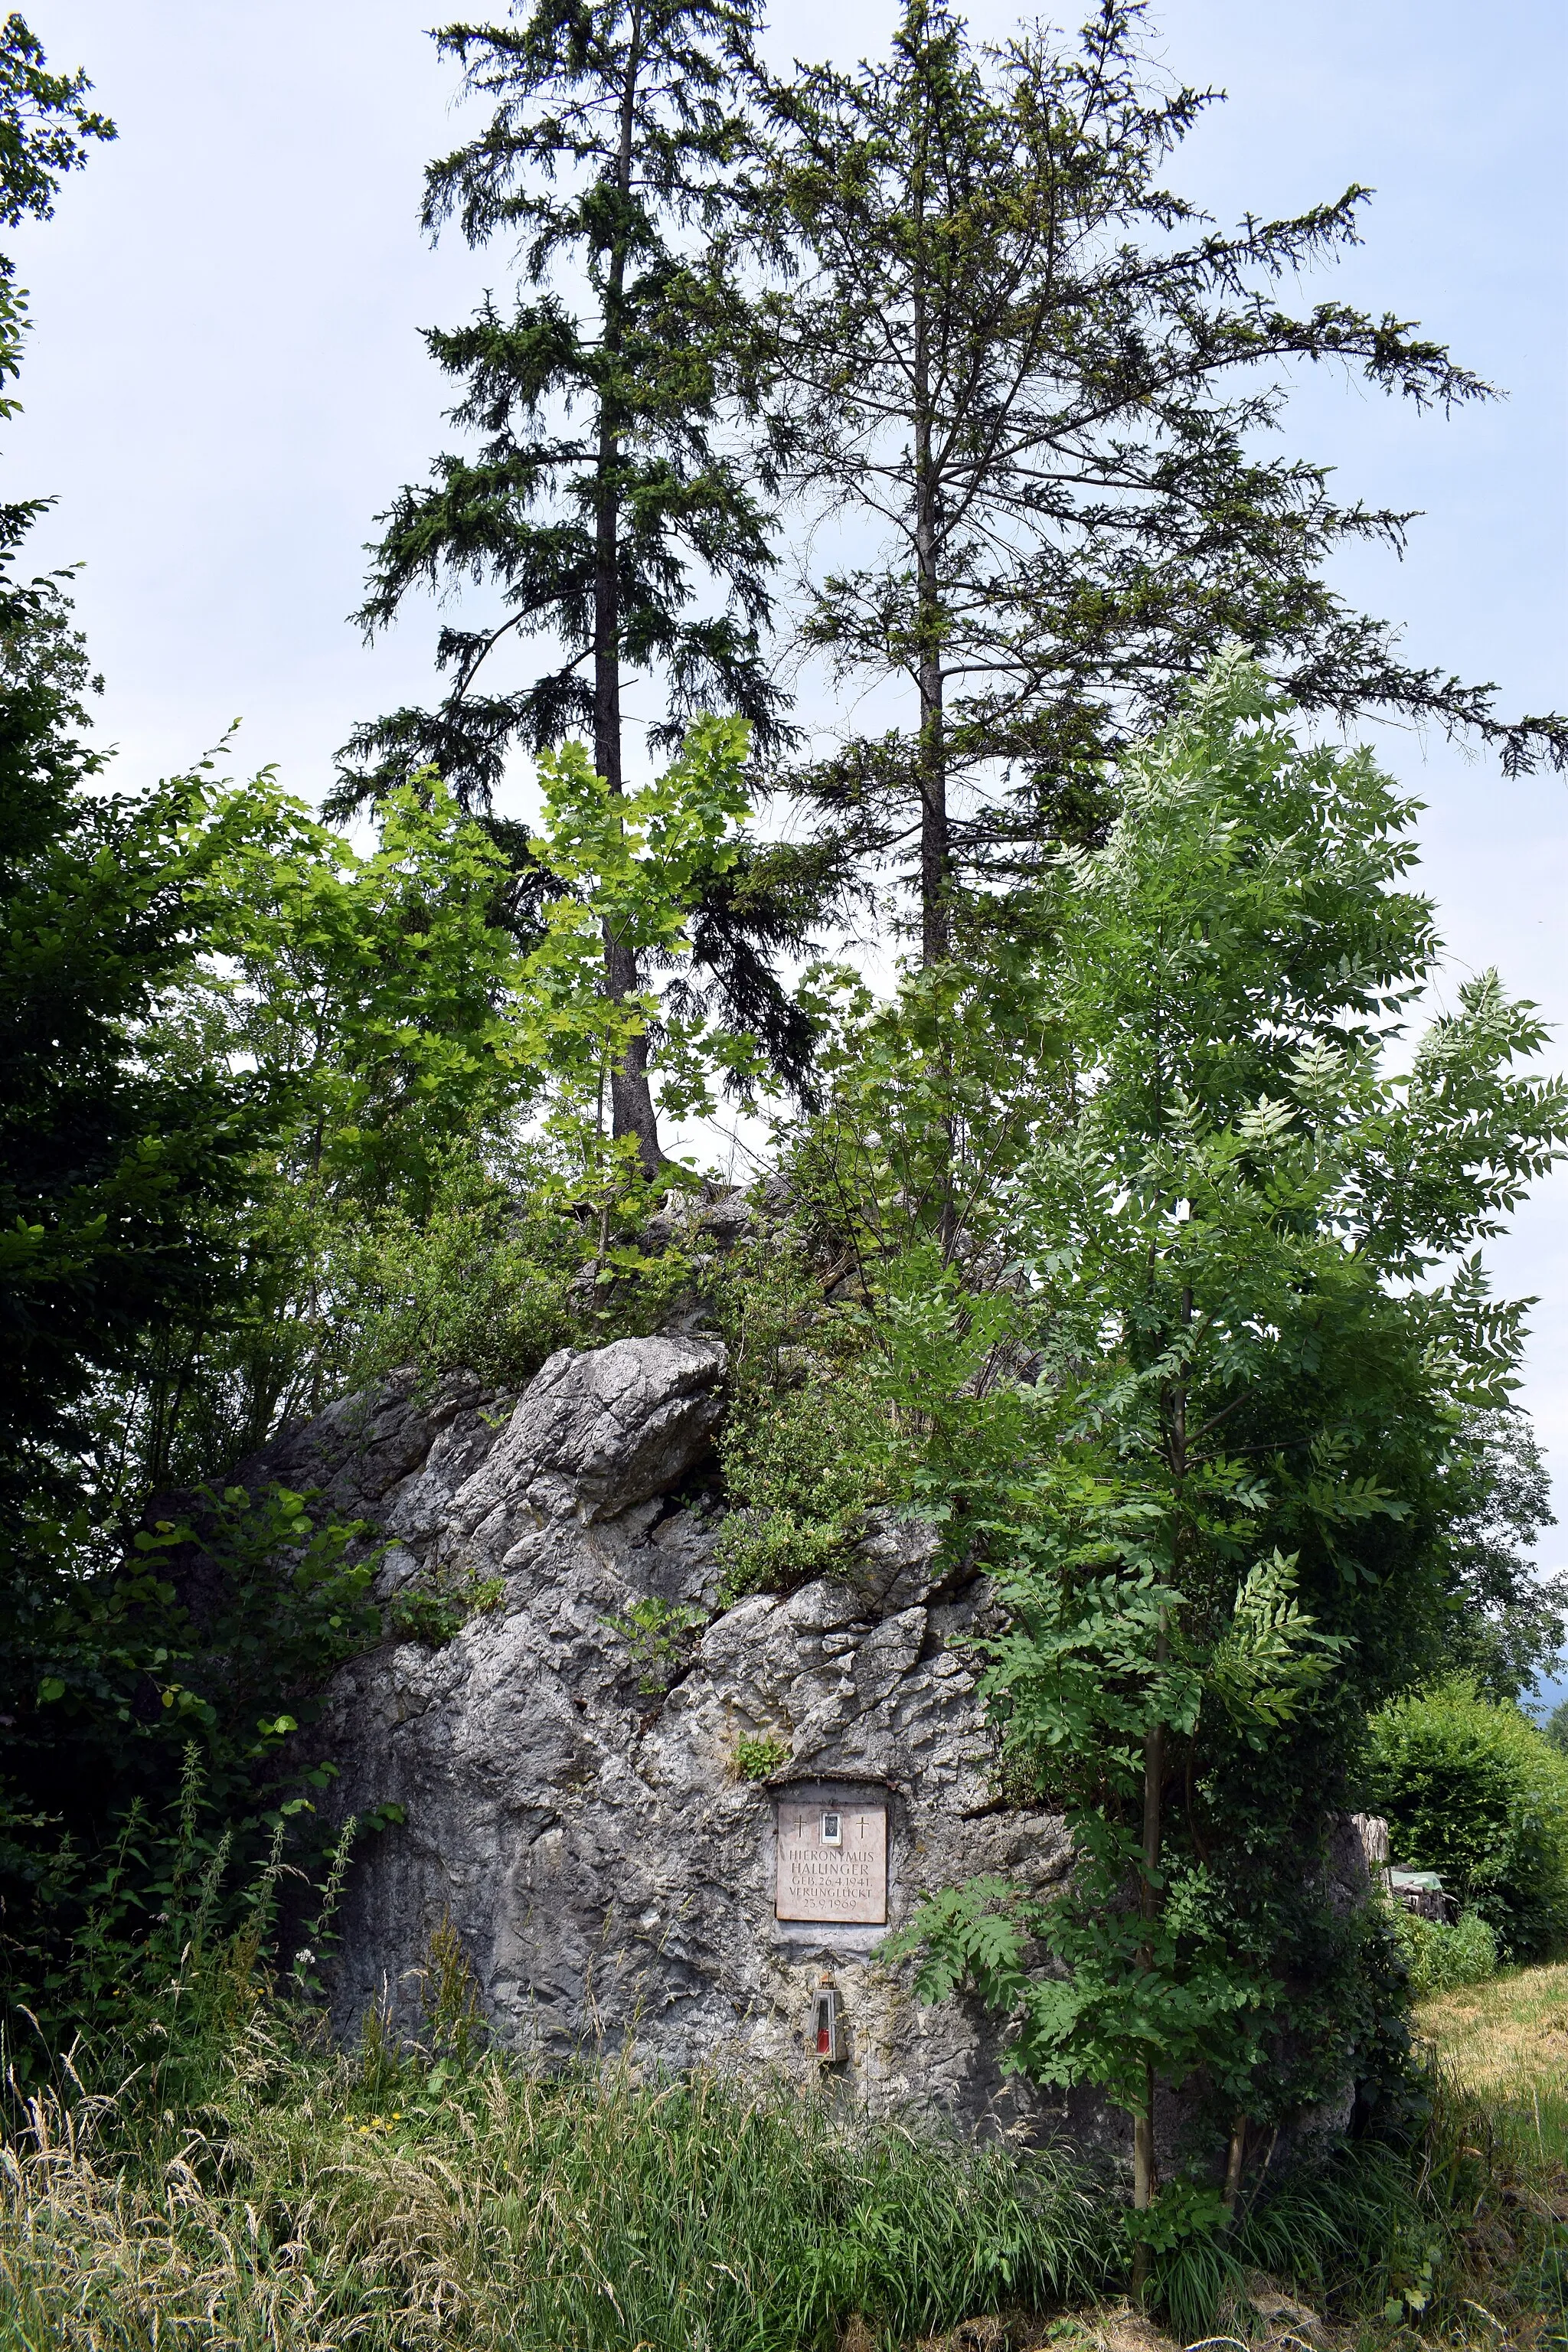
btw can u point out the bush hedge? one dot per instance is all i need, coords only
(1472, 1789)
(1441, 1959)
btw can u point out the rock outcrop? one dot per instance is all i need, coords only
(573, 1798)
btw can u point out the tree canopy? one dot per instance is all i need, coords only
(1044, 385)
(603, 480)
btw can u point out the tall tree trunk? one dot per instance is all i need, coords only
(936, 930)
(936, 936)
(631, 1096)
(935, 849)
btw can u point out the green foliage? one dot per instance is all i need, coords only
(504, 1268)
(1556, 1726)
(796, 1471)
(158, 1948)
(280, 1596)
(1472, 1789)
(233, 1041)
(930, 1102)
(375, 995)
(121, 1176)
(607, 503)
(805, 1440)
(1507, 1620)
(219, 1619)
(757, 1759)
(43, 126)
(1242, 1275)
(390, 1036)
(1172, 1997)
(603, 483)
(1439, 1958)
(631, 866)
(658, 1636)
(483, 1281)
(1033, 374)
(44, 130)
(221, 1633)
(434, 1614)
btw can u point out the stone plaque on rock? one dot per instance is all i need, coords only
(832, 1861)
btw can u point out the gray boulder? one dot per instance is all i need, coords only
(575, 1806)
(595, 1433)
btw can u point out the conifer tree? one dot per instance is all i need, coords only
(602, 503)
(1041, 377)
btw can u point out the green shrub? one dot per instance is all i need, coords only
(1472, 1789)
(755, 1758)
(1440, 1958)
(658, 1636)
(796, 1467)
(494, 1276)
(435, 1613)
(804, 1443)
(476, 1282)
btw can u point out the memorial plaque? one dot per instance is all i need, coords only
(832, 1862)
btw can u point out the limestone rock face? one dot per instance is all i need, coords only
(596, 1434)
(575, 1806)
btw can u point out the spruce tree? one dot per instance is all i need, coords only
(1041, 378)
(604, 502)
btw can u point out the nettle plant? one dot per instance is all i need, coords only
(1248, 1270)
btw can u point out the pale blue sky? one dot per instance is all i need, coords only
(226, 384)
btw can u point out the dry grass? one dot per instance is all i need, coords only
(1506, 2040)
